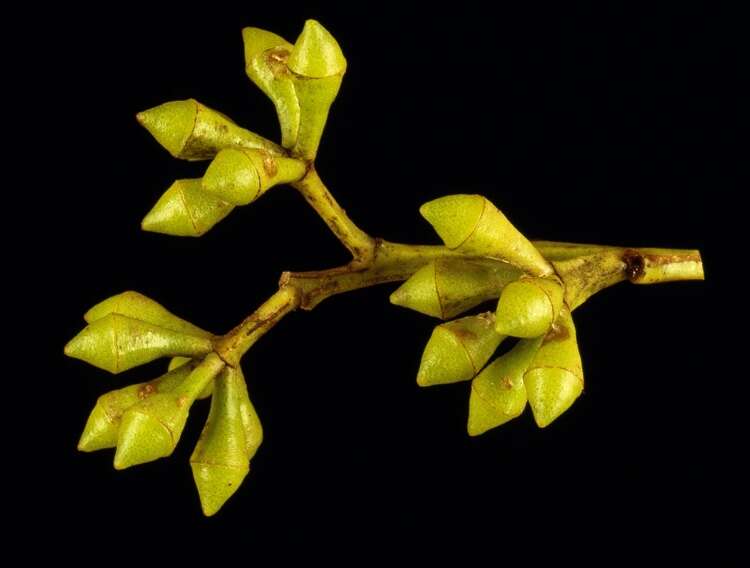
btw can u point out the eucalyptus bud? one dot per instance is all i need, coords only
(266, 55)
(458, 349)
(192, 131)
(529, 306)
(498, 393)
(445, 288)
(240, 176)
(250, 421)
(117, 343)
(103, 424)
(137, 306)
(317, 65)
(185, 210)
(473, 225)
(220, 459)
(555, 377)
(151, 428)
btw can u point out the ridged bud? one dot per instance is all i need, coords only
(103, 424)
(117, 343)
(317, 65)
(473, 225)
(137, 306)
(445, 288)
(240, 176)
(555, 377)
(151, 428)
(185, 210)
(221, 457)
(529, 306)
(458, 349)
(498, 393)
(266, 56)
(192, 131)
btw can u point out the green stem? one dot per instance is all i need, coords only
(359, 243)
(597, 268)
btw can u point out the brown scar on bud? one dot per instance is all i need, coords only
(557, 332)
(276, 59)
(635, 264)
(146, 390)
(270, 165)
(506, 383)
(464, 334)
(182, 401)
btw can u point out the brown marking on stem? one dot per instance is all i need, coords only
(659, 259)
(558, 332)
(635, 264)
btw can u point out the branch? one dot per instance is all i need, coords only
(585, 270)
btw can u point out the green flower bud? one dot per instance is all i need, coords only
(473, 225)
(318, 65)
(185, 210)
(151, 428)
(555, 377)
(448, 287)
(266, 56)
(117, 343)
(241, 176)
(220, 459)
(192, 131)
(498, 393)
(103, 424)
(528, 307)
(177, 362)
(458, 349)
(137, 306)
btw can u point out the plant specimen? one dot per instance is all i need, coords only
(535, 286)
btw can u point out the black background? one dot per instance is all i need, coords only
(581, 125)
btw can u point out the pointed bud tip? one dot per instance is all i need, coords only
(170, 123)
(483, 416)
(454, 216)
(551, 391)
(142, 439)
(216, 484)
(316, 53)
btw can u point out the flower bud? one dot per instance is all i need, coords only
(498, 393)
(185, 210)
(317, 65)
(151, 428)
(103, 424)
(117, 343)
(448, 287)
(220, 459)
(137, 306)
(240, 176)
(528, 307)
(266, 56)
(458, 349)
(192, 131)
(555, 377)
(473, 225)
